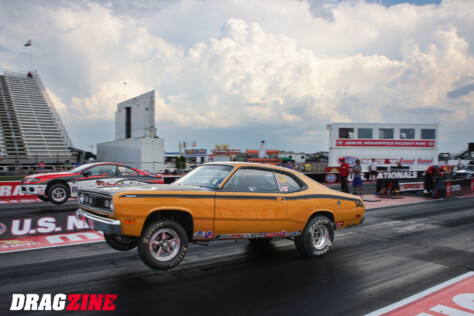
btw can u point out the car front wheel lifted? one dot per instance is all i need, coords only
(316, 238)
(119, 242)
(163, 244)
(58, 193)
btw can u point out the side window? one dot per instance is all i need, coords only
(252, 180)
(386, 133)
(364, 133)
(407, 133)
(126, 172)
(346, 132)
(428, 133)
(286, 183)
(103, 170)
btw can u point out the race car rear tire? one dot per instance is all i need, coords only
(316, 238)
(120, 243)
(163, 244)
(58, 193)
(43, 198)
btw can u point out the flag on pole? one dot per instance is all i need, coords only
(28, 43)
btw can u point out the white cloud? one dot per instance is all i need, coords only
(286, 66)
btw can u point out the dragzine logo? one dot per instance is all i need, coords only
(61, 302)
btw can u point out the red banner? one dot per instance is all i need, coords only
(385, 143)
(11, 189)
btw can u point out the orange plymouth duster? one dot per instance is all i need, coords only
(217, 201)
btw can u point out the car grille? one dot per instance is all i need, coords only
(95, 201)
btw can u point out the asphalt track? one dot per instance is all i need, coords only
(397, 252)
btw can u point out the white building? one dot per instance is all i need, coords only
(414, 145)
(136, 143)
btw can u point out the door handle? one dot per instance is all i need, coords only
(281, 198)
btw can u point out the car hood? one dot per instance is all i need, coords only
(112, 190)
(49, 175)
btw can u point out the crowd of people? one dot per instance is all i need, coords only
(434, 177)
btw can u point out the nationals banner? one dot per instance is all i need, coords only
(44, 224)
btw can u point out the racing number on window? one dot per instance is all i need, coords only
(282, 182)
(286, 183)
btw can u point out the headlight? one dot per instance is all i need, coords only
(31, 180)
(112, 205)
(82, 198)
(107, 203)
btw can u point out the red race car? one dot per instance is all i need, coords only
(58, 187)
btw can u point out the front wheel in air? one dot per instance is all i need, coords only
(58, 193)
(120, 243)
(316, 238)
(163, 244)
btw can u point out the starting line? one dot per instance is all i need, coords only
(453, 297)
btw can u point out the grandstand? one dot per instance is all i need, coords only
(30, 128)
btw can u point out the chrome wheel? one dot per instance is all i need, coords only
(164, 244)
(320, 237)
(316, 238)
(58, 194)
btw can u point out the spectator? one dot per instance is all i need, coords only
(460, 165)
(429, 179)
(344, 170)
(372, 171)
(41, 166)
(2, 155)
(438, 178)
(357, 182)
(58, 166)
(289, 165)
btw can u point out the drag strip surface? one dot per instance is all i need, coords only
(399, 251)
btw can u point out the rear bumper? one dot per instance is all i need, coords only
(95, 222)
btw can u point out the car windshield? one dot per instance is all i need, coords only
(208, 175)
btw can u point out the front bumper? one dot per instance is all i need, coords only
(33, 189)
(95, 222)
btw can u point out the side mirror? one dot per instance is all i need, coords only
(87, 173)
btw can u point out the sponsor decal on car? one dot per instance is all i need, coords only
(208, 235)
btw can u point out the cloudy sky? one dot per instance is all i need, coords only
(240, 71)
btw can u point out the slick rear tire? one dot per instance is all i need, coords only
(58, 193)
(43, 198)
(163, 244)
(120, 243)
(316, 238)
